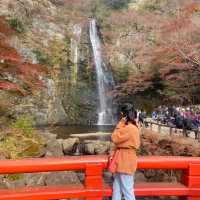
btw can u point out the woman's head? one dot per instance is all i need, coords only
(129, 113)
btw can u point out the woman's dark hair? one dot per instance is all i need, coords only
(129, 113)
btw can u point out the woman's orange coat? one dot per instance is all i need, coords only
(127, 139)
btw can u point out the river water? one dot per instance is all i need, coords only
(64, 131)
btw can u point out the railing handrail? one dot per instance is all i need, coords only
(50, 164)
(160, 124)
(166, 162)
(184, 131)
(165, 125)
(81, 162)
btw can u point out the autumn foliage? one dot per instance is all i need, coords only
(16, 74)
(166, 46)
(178, 53)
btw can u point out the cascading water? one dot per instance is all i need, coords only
(75, 51)
(104, 79)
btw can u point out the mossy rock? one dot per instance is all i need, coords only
(33, 150)
(17, 145)
(14, 177)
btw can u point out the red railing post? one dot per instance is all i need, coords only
(94, 179)
(191, 178)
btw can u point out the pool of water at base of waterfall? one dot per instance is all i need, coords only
(64, 131)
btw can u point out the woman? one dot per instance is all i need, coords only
(127, 140)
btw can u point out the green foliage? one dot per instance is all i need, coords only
(17, 25)
(21, 141)
(57, 53)
(151, 39)
(153, 5)
(24, 123)
(59, 49)
(150, 6)
(17, 145)
(42, 58)
(116, 4)
(99, 11)
(102, 9)
(14, 177)
(122, 73)
(67, 40)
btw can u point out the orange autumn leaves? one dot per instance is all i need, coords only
(21, 74)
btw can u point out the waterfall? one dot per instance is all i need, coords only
(104, 79)
(75, 51)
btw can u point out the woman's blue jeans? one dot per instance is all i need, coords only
(123, 184)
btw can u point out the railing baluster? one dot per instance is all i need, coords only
(151, 126)
(191, 178)
(94, 179)
(170, 131)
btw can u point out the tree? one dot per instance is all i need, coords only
(178, 53)
(164, 45)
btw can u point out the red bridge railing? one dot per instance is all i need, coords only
(94, 189)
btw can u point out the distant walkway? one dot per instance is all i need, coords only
(171, 130)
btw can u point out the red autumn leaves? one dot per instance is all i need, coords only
(15, 73)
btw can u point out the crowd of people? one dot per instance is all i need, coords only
(187, 118)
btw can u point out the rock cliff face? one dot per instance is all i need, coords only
(54, 33)
(48, 33)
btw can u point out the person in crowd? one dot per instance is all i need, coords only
(138, 114)
(142, 116)
(126, 137)
(154, 115)
(162, 116)
(179, 121)
(187, 118)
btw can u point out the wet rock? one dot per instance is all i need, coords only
(2, 182)
(102, 148)
(53, 148)
(150, 173)
(48, 136)
(62, 178)
(81, 176)
(89, 148)
(69, 144)
(96, 147)
(34, 150)
(14, 184)
(36, 179)
(60, 141)
(140, 177)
